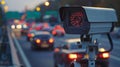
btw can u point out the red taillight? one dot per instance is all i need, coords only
(105, 55)
(38, 41)
(75, 56)
(56, 50)
(51, 40)
(54, 32)
(30, 35)
(72, 56)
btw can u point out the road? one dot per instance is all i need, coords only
(44, 58)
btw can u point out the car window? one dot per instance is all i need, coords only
(43, 36)
(65, 47)
(73, 46)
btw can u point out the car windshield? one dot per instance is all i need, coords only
(73, 46)
(42, 36)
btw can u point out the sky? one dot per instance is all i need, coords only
(19, 5)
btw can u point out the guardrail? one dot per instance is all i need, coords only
(16, 62)
(15, 59)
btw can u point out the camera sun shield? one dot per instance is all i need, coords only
(87, 20)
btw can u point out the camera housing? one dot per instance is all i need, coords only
(87, 20)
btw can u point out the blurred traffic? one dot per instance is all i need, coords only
(32, 35)
(69, 52)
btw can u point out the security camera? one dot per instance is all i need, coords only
(87, 20)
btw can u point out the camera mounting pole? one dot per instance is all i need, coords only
(91, 49)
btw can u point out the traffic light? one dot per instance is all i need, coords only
(87, 20)
(3, 2)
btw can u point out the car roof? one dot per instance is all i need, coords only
(73, 40)
(69, 43)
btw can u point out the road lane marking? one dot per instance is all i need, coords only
(115, 58)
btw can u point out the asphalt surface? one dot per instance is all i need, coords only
(44, 58)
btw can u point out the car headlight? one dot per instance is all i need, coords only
(12, 26)
(24, 26)
(18, 26)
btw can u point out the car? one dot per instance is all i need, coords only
(52, 20)
(16, 26)
(38, 26)
(24, 29)
(58, 30)
(71, 51)
(43, 27)
(30, 34)
(41, 40)
(46, 27)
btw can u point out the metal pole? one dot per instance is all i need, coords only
(91, 49)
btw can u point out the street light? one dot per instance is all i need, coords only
(38, 8)
(5, 8)
(47, 3)
(3, 2)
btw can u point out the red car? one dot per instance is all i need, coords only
(58, 31)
